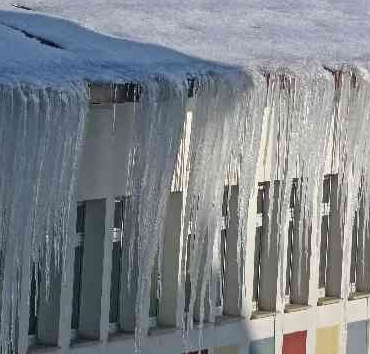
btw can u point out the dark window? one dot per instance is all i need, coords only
(115, 281)
(292, 205)
(262, 210)
(78, 265)
(34, 299)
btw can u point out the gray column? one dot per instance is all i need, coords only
(54, 313)
(169, 301)
(232, 287)
(49, 307)
(94, 307)
(22, 344)
(66, 294)
(335, 251)
(129, 274)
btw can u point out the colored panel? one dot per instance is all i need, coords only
(357, 338)
(226, 350)
(327, 340)
(262, 346)
(295, 343)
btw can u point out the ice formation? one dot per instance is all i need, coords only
(301, 110)
(41, 133)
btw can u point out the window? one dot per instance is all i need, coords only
(120, 210)
(154, 296)
(221, 286)
(78, 263)
(293, 204)
(116, 261)
(354, 253)
(358, 254)
(261, 225)
(189, 248)
(328, 221)
(34, 302)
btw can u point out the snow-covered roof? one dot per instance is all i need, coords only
(163, 33)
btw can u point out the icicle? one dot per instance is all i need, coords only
(40, 139)
(158, 120)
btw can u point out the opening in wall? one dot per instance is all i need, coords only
(291, 228)
(189, 248)
(330, 253)
(154, 296)
(228, 303)
(298, 250)
(78, 262)
(261, 234)
(34, 301)
(116, 263)
(118, 252)
(358, 287)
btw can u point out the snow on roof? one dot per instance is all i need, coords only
(159, 34)
(22, 56)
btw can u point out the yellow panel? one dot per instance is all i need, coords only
(327, 340)
(226, 350)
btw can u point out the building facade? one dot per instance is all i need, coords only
(303, 295)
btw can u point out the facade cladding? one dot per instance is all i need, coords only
(317, 310)
(295, 343)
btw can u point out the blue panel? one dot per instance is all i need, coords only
(357, 338)
(262, 346)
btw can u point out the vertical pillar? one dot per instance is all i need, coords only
(129, 274)
(168, 303)
(94, 307)
(203, 298)
(232, 290)
(54, 313)
(335, 244)
(315, 250)
(107, 267)
(171, 304)
(23, 323)
(49, 309)
(249, 269)
(66, 294)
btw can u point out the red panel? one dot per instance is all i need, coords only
(295, 343)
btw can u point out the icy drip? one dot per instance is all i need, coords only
(219, 107)
(40, 139)
(245, 155)
(306, 160)
(297, 112)
(157, 127)
(351, 115)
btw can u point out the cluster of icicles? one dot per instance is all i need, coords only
(40, 138)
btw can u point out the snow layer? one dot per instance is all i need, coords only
(53, 48)
(235, 32)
